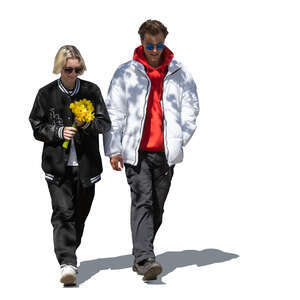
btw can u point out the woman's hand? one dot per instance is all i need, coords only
(69, 132)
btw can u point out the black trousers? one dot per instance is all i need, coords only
(149, 184)
(71, 204)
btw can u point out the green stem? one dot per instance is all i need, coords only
(66, 142)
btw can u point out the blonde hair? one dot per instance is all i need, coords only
(63, 54)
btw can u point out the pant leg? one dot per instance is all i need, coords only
(140, 180)
(63, 219)
(84, 199)
(162, 177)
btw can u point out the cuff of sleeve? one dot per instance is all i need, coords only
(114, 154)
(86, 125)
(60, 132)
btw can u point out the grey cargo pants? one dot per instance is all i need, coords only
(149, 184)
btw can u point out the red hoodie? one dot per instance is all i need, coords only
(153, 137)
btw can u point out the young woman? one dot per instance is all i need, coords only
(71, 173)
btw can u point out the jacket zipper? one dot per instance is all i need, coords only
(143, 119)
(164, 120)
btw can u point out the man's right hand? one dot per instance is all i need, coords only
(69, 132)
(115, 160)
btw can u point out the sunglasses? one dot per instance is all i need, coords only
(69, 70)
(150, 46)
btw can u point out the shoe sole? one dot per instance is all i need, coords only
(68, 279)
(152, 273)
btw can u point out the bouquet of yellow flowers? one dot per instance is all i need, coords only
(83, 111)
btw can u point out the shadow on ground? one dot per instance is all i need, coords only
(170, 261)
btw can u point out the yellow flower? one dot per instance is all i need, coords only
(83, 110)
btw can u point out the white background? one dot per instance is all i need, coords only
(237, 190)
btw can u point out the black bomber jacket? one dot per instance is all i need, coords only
(49, 115)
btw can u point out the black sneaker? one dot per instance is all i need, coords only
(148, 267)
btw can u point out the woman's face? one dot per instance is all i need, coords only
(71, 70)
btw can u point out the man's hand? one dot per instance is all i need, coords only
(69, 132)
(79, 123)
(115, 160)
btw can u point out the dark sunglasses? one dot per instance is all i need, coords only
(150, 46)
(69, 70)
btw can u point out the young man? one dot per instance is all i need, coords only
(71, 173)
(153, 105)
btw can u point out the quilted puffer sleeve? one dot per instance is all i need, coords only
(116, 104)
(190, 109)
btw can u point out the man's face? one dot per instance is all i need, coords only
(153, 56)
(73, 65)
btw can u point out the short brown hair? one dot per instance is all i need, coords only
(153, 27)
(65, 52)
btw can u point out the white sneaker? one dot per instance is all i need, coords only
(68, 274)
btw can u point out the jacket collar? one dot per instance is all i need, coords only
(64, 90)
(173, 66)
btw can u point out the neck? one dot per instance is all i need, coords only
(68, 84)
(155, 65)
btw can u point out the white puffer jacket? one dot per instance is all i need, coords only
(127, 103)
